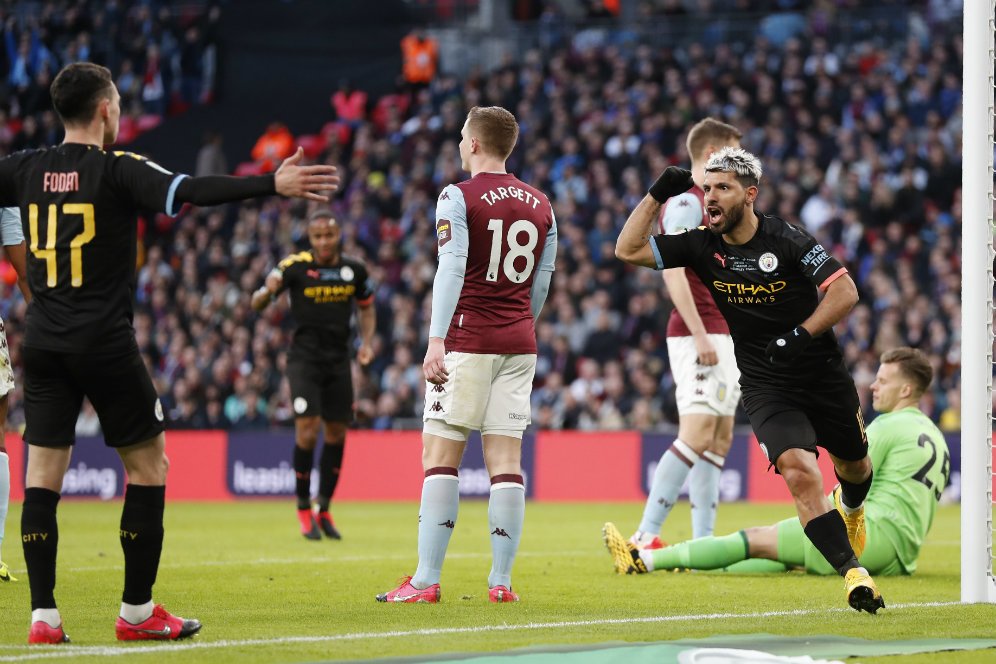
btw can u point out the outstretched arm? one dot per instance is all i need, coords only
(290, 179)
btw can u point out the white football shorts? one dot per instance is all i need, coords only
(704, 390)
(486, 392)
(6, 370)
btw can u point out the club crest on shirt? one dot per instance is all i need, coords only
(768, 262)
(443, 232)
(346, 273)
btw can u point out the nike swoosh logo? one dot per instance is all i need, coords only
(165, 631)
(404, 598)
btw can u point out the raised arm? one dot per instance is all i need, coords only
(634, 245)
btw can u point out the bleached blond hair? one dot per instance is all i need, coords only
(745, 165)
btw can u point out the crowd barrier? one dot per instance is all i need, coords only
(386, 465)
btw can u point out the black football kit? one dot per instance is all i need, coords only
(764, 288)
(322, 298)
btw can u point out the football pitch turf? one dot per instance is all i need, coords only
(265, 594)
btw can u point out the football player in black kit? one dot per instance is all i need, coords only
(78, 206)
(323, 285)
(765, 275)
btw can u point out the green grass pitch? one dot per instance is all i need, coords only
(265, 594)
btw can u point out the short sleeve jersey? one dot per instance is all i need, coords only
(507, 231)
(683, 213)
(912, 466)
(11, 232)
(322, 298)
(78, 208)
(763, 288)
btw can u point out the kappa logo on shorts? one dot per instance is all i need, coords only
(438, 388)
(436, 407)
(300, 405)
(158, 410)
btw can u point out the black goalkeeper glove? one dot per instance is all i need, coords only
(671, 182)
(789, 346)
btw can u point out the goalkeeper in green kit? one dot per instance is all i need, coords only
(912, 465)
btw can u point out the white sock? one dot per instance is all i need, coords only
(136, 613)
(49, 616)
(671, 472)
(647, 556)
(437, 517)
(506, 513)
(703, 492)
(4, 494)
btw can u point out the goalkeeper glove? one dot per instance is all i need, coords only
(789, 346)
(671, 182)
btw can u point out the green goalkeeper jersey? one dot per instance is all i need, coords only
(911, 464)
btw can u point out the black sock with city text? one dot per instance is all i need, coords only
(141, 540)
(40, 541)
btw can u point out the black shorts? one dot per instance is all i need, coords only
(115, 381)
(827, 414)
(321, 388)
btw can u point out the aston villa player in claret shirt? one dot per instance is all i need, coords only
(79, 205)
(765, 275)
(497, 240)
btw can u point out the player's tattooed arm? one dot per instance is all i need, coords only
(633, 243)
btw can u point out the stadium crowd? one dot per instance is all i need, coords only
(860, 143)
(162, 55)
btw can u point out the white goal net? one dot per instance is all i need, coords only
(978, 146)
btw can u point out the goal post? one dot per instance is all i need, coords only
(977, 582)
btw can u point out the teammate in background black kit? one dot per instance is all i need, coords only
(764, 274)
(323, 285)
(78, 206)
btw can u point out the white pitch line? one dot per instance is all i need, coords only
(335, 559)
(109, 651)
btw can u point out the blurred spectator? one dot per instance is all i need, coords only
(419, 59)
(275, 145)
(211, 158)
(349, 104)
